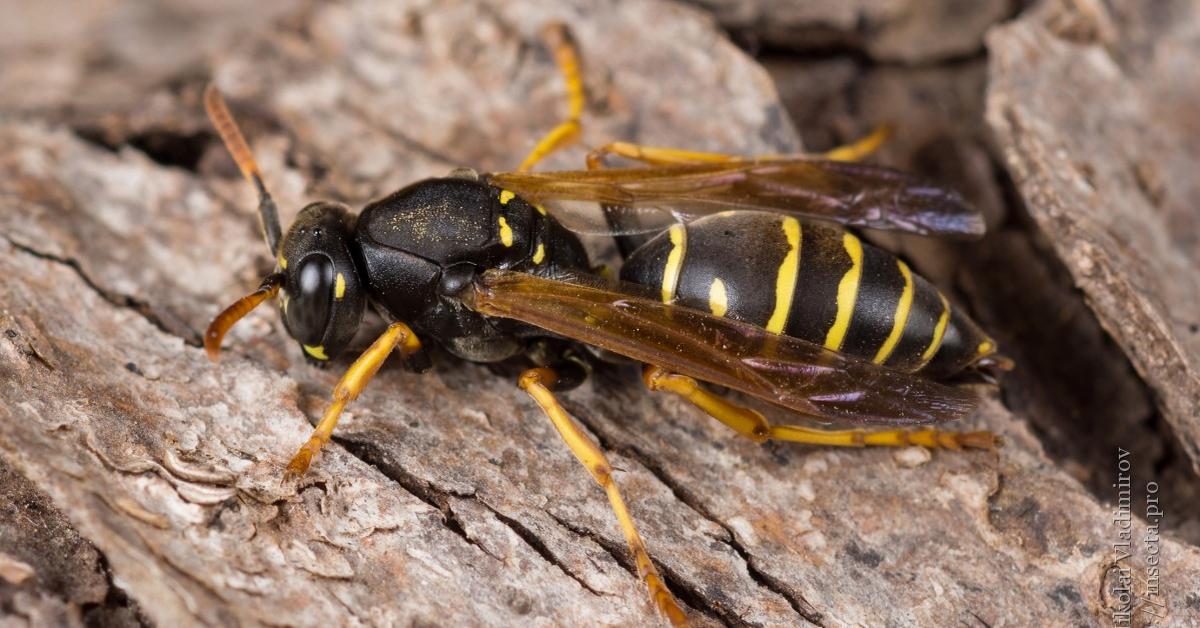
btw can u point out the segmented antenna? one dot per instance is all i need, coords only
(222, 120)
(234, 313)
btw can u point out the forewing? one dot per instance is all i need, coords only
(849, 193)
(787, 371)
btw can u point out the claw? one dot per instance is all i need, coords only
(303, 458)
(980, 440)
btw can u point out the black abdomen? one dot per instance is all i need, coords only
(814, 282)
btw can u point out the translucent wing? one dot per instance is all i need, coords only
(787, 371)
(850, 193)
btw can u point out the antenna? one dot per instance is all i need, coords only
(218, 113)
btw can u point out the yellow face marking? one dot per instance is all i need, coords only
(539, 254)
(674, 261)
(339, 287)
(938, 333)
(718, 300)
(506, 236)
(506, 196)
(282, 262)
(541, 210)
(847, 293)
(283, 301)
(785, 282)
(317, 352)
(901, 317)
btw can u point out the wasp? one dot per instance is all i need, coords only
(738, 272)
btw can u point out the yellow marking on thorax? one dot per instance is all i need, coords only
(674, 263)
(718, 300)
(939, 332)
(506, 236)
(317, 352)
(506, 196)
(339, 287)
(785, 282)
(282, 262)
(903, 308)
(847, 293)
(987, 347)
(541, 210)
(539, 254)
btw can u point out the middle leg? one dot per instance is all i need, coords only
(538, 382)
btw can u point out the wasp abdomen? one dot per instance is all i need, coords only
(811, 281)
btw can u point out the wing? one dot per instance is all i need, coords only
(790, 372)
(850, 193)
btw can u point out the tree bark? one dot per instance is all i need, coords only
(447, 498)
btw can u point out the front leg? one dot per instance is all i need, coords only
(351, 384)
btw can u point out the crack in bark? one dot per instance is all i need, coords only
(846, 44)
(531, 539)
(438, 498)
(43, 524)
(115, 600)
(800, 605)
(122, 301)
(679, 587)
(173, 148)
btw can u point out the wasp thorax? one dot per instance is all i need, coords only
(323, 299)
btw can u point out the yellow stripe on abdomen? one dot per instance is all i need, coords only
(938, 333)
(847, 293)
(785, 282)
(718, 299)
(674, 262)
(901, 317)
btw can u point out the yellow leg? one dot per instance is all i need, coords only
(660, 156)
(351, 384)
(859, 149)
(654, 155)
(754, 425)
(537, 382)
(566, 55)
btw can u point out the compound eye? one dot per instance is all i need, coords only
(309, 310)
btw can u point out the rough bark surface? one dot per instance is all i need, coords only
(1075, 386)
(1114, 186)
(49, 575)
(447, 498)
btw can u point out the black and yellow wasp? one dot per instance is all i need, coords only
(733, 276)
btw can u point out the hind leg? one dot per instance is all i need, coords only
(566, 55)
(753, 425)
(661, 156)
